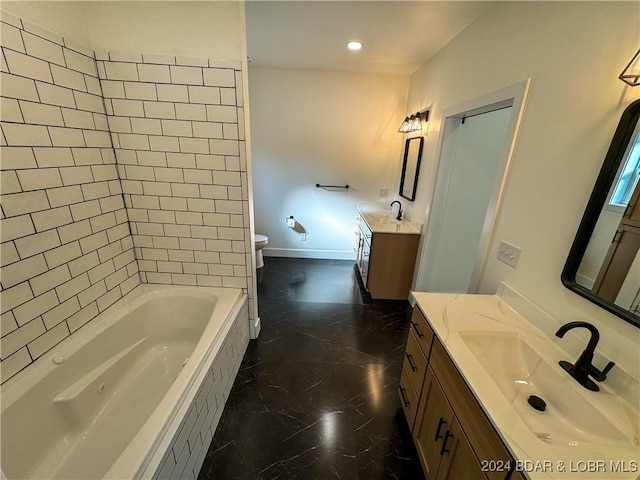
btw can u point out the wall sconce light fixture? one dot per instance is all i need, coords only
(413, 123)
(631, 74)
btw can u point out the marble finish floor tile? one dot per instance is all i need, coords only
(315, 397)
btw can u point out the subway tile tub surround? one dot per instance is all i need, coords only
(95, 151)
(176, 126)
(67, 248)
(67, 253)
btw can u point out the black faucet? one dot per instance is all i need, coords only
(399, 217)
(583, 367)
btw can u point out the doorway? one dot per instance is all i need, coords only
(476, 145)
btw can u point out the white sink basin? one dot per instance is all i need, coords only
(519, 371)
(384, 218)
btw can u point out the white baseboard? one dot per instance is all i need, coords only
(585, 281)
(304, 253)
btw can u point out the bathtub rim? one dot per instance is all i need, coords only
(229, 299)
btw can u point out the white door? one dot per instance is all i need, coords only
(470, 171)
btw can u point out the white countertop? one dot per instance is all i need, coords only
(384, 221)
(541, 456)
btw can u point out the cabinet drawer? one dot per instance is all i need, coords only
(408, 398)
(423, 332)
(415, 363)
(487, 444)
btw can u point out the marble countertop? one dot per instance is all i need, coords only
(384, 221)
(456, 317)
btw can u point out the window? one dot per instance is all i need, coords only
(628, 176)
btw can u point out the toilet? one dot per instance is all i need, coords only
(260, 241)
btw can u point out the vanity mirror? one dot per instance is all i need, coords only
(411, 167)
(603, 264)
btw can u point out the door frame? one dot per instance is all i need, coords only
(516, 94)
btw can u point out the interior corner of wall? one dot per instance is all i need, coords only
(255, 328)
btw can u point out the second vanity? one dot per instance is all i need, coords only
(472, 363)
(386, 250)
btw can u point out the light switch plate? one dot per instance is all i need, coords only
(509, 254)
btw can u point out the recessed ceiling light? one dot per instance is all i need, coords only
(354, 45)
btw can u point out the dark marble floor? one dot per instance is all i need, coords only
(316, 397)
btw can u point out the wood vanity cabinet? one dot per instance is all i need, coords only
(386, 261)
(452, 434)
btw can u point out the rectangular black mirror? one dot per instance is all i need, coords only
(411, 167)
(602, 265)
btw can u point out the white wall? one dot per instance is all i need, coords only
(332, 128)
(573, 52)
(192, 29)
(64, 18)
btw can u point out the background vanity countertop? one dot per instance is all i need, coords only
(539, 456)
(384, 221)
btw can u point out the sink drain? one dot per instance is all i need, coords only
(537, 403)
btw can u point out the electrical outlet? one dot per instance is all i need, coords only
(303, 237)
(384, 192)
(509, 254)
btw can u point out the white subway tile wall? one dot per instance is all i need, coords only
(184, 458)
(126, 170)
(67, 253)
(178, 150)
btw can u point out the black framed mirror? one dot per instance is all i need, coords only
(603, 264)
(411, 167)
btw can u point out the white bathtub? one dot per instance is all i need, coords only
(123, 396)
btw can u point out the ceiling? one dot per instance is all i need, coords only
(398, 36)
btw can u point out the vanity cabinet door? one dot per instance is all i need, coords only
(366, 254)
(358, 248)
(432, 425)
(363, 249)
(458, 460)
(487, 445)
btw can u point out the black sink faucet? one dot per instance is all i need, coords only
(399, 217)
(583, 367)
